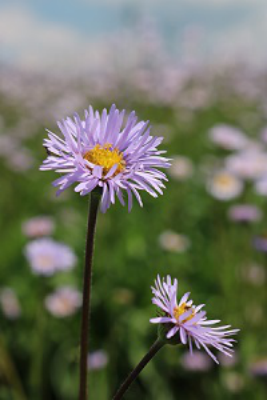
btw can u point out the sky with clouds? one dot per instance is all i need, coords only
(68, 34)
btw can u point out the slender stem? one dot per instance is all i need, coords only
(91, 226)
(10, 372)
(134, 374)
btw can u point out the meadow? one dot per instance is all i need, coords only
(208, 230)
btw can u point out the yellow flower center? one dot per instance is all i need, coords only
(106, 157)
(180, 310)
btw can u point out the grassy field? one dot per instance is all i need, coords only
(187, 233)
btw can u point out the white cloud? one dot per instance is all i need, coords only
(35, 44)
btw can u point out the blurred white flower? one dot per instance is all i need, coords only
(22, 161)
(234, 382)
(10, 303)
(197, 361)
(63, 302)
(248, 164)
(228, 137)
(227, 361)
(224, 186)
(38, 226)
(175, 242)
(254, 274)
(181, 168)
(47, 256)
(260, 186)
(97, 360)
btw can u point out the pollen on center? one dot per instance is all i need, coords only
(180, 310)
(106, 157)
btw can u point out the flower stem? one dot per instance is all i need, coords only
(158, 344)
(91, 227)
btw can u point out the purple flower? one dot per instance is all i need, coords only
(188, 323)
(260, 243)
(245, 213)
(38, 226)
(63, 302)
(97, 360)
(197, 361)
(47, 256)
(102, 150)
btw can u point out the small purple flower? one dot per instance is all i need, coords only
(97, 360)
(259, 368)
(38, 226)
(47, 256)
(188, 323)
(63, 302)
(245, 213)
(102, 150)
(197, 361)
(260, 243)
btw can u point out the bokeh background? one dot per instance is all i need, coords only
(197, 70)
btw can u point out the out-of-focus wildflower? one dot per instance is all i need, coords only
(259, 367)
(197, 361)
(101, 151)
(181, 168)
(247, 164)
(185, 323)
(63, 302)
(227, 361)
(38, 226)
(261, 186)
(260, 243)
(228, 137)
(172, 241)
(23, 161)
(224, 186)
(97, 360)
(233, 381)
(254, 274)
(9, 303)
(245, 213)
(47, 256)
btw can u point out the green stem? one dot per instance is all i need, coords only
(87, 280)
(134, 374)
(11, 372)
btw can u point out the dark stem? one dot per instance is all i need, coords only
(91, 226)
(134, 374)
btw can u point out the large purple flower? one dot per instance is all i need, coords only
(189, 322)
(102, 150)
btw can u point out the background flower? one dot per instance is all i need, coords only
(63, 302)
(47, 256)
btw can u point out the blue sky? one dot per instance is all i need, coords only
(36, 34)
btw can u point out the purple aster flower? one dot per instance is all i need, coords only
(102, 150)
(47, 256)
(260, 243)
(97, 360)
(245, 213)
(188, 323)
(63, 302)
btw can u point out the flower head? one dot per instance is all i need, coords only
(38, 226)
(224, 186)
(102, 150)
(47, 256)
(97, 360)
(63, 302)
(188, 323)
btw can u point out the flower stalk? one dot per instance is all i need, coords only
(87, 282)
(157, 345)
